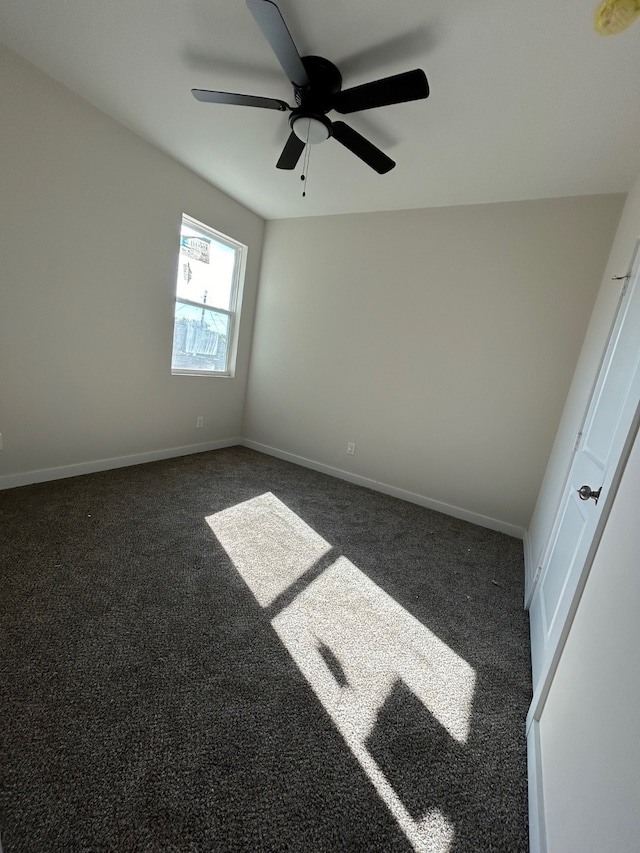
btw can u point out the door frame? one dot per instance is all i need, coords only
(538, 839)
(568, 608)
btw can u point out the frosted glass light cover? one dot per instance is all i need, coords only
(310, 130)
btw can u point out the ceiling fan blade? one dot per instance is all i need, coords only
(408, 86)
(210, 97)
(275, 31)
(291, 152)
(362, 148)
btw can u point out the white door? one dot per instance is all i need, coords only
(606, 437)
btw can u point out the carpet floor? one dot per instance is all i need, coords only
(228, 652)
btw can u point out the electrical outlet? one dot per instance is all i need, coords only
(199, 422)
(351, 448)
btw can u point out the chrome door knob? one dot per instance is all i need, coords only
(587, 492)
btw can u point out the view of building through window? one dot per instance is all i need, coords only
(209, 280)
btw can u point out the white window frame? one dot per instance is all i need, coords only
(235, 299)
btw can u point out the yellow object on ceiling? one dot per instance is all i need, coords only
(614, 16)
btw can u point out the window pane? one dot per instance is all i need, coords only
(200, 338)
(205, 268)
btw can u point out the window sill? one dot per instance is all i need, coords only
(217, 374)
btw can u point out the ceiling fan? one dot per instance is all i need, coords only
(317, 88)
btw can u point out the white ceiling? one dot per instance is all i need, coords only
(526, 100)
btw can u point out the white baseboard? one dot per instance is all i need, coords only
(403, 494)
(43, 475)
(537, 827)
(11, 481)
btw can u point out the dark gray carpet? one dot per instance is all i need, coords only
(147, 703)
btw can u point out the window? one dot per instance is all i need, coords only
(208, 296)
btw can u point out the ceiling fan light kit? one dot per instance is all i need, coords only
(317, 90)
(311, 129)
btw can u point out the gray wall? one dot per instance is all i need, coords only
(89, 229)
(441, 341)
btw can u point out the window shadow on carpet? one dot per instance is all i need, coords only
(429, 769)
(400, 697)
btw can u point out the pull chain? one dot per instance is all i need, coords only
(305, 165)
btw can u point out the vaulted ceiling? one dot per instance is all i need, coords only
(527, 101)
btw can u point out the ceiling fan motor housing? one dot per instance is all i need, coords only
(324, 82)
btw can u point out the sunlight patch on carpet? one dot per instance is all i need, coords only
(269, 545)
(353, 643)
